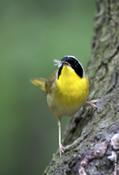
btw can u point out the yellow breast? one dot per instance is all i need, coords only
(69, 92)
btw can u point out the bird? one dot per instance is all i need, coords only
(66, 90)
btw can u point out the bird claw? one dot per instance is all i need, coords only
(96, 104)
(93, 103)
(61, 149)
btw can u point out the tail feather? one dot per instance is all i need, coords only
(41, 83)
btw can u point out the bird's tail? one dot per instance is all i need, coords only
(41, 83)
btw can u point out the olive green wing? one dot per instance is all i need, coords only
(44, 84)
(40, 82)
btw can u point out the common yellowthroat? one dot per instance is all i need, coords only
(66, 91)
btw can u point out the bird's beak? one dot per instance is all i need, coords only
(65, 63)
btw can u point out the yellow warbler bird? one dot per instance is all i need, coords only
(66, 91)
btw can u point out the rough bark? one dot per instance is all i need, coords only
(95, 128)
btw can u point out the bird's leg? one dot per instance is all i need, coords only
(93, 103)
(97, 103)
(61, 147)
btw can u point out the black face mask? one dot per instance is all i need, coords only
(74, 63)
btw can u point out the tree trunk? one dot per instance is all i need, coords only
(95, 152)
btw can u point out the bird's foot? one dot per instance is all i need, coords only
(61, 149)
(93, 103)
(96, 104)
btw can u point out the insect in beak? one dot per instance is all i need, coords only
(58, 63)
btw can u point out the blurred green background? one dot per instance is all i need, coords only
(32, 34)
